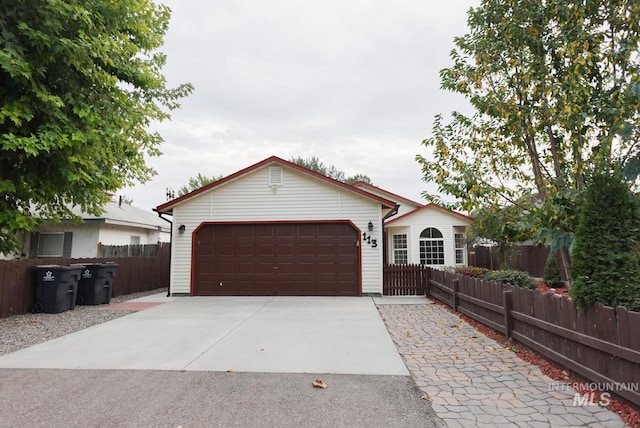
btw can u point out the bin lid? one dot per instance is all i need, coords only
(96, 265)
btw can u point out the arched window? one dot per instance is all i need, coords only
(431, 247)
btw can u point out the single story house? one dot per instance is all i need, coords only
(120, 224)
(275, 228)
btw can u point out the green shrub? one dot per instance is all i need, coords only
(551, 275)
(606, 263)
(514, 277)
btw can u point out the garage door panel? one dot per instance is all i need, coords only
(284, 231)
(223, 268)
(277, 259)
(244, 268)
(283, 268)
(263, 268)
(221, 232)
(286, 249)
(306, 268)
(244, 231)
(306, 231)
(221, 249)
(244, 250)
(264, 231)
(328, 230)
(327, 250)
(306, 250)
(265, 250)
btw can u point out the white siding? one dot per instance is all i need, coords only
(405, 207)
(414, 224)
(301, 197)
(118, 235)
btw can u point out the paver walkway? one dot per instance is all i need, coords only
(475, 382)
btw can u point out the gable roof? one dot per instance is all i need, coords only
(391, 195)
(431, 206)
(167, 207)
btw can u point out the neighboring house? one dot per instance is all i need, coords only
(276, 228)
(120, 224)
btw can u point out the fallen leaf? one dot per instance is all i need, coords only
(319, 384)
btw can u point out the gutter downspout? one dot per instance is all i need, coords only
(170, 248)
(391, 213)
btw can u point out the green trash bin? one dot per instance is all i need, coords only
(56, 288)
(96, 283)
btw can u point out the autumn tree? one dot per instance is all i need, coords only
(501, 226)
(555, 90)
(80, 85)
(315, 164)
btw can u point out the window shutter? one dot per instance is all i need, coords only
(66, 247)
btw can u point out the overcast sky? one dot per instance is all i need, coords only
(355, 83)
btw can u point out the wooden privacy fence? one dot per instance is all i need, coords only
(405, 280)
(528, 258)
(107, 251)
(133, 274)
(601, 344)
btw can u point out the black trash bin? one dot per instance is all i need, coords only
(96, 283)
(56, 288)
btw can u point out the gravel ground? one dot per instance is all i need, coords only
(22, 331)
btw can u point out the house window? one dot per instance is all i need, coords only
(459, 251)
(51, 244)
(431, 247)
(400, 249)
(134, 240)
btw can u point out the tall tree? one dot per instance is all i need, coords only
(197, 182)
(80, 83)
(315, 164)
(554, 85)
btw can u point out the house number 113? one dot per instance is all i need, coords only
(372, 242)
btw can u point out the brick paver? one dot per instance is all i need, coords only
(472, 381)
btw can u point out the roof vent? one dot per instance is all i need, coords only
(275, 176)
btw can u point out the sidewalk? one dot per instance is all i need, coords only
(472, 381)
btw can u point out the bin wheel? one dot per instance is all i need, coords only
(37, 307)
(79, 300)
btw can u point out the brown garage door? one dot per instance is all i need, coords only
(304, 259)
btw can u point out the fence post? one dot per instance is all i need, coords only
(456, 285)
(508, 321)
(427, 287)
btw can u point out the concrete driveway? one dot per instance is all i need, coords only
(335, 335)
